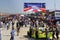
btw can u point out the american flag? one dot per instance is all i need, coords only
(33, 7)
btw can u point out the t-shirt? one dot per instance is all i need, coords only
(12, 32)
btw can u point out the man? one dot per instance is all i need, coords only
(57, 33)
(12, 33)
(18, 27)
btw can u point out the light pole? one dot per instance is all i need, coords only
(55, 5)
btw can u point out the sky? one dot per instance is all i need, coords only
(17, 6)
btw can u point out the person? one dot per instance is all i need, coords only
(15, 23)
(7, 26)
(0, 33)
(0, 24)
(18, 27)
(57, 33)
(37, 22)
(54, 29)
(30, 32)
(58, 25)
(12, 33)
(25, 23)
(36, 31)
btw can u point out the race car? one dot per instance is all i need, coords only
(40, 33)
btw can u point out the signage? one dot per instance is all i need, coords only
(33, 7)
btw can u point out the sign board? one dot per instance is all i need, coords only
(33, 7)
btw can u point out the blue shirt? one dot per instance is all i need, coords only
(12, 32)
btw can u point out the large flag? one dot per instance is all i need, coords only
(34, 7)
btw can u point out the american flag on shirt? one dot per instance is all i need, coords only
(33, 7)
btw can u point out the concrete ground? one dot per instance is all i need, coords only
(22, 35)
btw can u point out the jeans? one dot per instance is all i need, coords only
(12, 38)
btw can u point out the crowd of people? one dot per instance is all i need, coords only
(47, 21)
(16, 23)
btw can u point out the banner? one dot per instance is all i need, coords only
(33, 7)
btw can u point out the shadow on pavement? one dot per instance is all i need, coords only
(32, 38)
